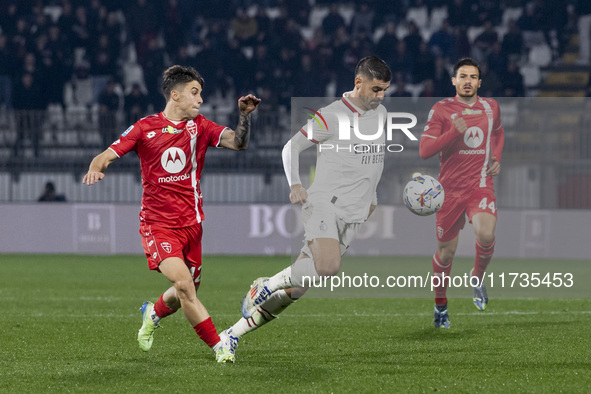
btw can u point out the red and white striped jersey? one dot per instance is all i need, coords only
(171, 159)
(464, 158)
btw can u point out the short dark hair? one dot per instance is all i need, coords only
(178, 75)
(373, 67)
(466, 62)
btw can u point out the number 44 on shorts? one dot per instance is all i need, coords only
(483, 206)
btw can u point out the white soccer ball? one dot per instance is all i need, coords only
(423, 195)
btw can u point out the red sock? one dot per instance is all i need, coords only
(483, 255)
(440, 269)
(161, 309)
(207, 332)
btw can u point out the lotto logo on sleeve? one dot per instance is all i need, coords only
(173, 160)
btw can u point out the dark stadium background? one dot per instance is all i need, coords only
(75, 74)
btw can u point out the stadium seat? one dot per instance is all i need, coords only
(438, 15)
(420, 16)
(511, 14)
(540, 55)
(531, 75)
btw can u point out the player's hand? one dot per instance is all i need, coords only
(92, 177)
(460, 124)
(248, 103)
(494, 167)
(298, 194)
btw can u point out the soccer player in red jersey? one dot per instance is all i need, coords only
(467, 133)
(171, 146)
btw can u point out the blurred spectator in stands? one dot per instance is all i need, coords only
(513, 81)
(153, 65)
(333, 21)
(245, 27)
(50, 195)
(297, 10)
(484, 42)
(175, 32)
(497, 60)
(207, 61)
(29, 105)
(362, 19)
(135, 104)
(488, 10)
(78, 91)
(513, 42)
(108, 106)
(491, 83)
(413, 40)
(309, 80)
(387, 42)
(442, 80)
(428, 89)
(401, 62)
(463, 46)
(263, 20)
(183, 57)
(6, 70)
(8, 16)
(459, 14)
(80, 28)
(529, 20)
(103, 59)
(400, 89)
(442, 42)
(424, 64)
(143, 20)
(583, 10)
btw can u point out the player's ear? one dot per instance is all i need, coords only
(453, 81)
(358, 82)
(479, 83)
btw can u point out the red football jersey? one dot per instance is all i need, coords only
(171, 159)
(464, 158)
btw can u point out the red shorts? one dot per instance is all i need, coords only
(185, 243)
(451, 217)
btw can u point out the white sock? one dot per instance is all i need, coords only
(292, 275)
(303, 268)
(266, 312)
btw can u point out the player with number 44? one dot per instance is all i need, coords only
(467, 134)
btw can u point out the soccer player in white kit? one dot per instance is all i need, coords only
(342, 196)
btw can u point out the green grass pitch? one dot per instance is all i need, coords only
(69, 324)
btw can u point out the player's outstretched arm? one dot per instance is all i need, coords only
(98, 165)
(290, 156)
(238, 139)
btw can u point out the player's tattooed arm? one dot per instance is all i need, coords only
(238, 139)
(242, 132)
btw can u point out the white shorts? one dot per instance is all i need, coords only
(322, 221)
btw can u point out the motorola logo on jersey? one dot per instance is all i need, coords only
(173, 160)
(473, 137)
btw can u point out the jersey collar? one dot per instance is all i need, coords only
(347, 101)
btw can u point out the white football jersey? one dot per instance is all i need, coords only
(349, 164)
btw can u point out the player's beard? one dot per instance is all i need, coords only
(461, 92)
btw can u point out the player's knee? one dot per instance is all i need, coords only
(328, 266)
(185, 289)
(446, 254)
(485, 236)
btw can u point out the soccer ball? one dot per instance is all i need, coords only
(423, 195)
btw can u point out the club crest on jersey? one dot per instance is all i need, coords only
(192, 127)
(171, 130)
(470, 111)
